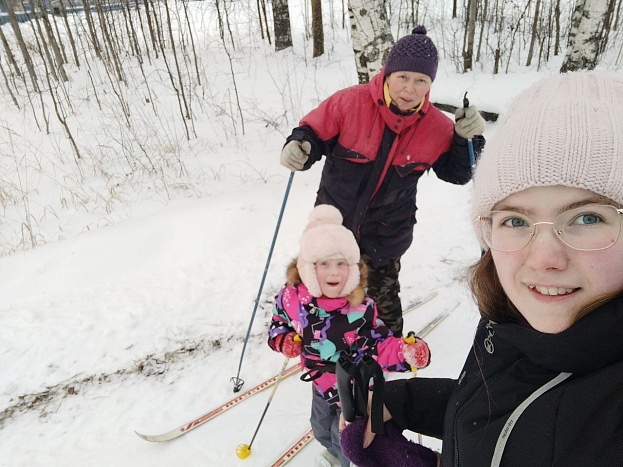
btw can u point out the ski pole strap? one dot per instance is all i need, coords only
(353, 383)
(316, 368)
(344, 372)
(371, 370)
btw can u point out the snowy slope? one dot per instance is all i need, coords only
(100, 322)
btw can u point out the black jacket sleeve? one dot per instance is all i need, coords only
(454, 166)
(419, 404)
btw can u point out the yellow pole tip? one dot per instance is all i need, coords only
(243, 451)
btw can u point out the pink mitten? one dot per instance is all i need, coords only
(416, 352)
(289, 344)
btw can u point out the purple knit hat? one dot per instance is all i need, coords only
(415, 52)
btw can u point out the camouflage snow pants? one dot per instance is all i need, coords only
(384, 287)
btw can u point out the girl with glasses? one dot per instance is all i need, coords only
(543, 382)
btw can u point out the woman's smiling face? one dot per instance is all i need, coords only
(548, 281)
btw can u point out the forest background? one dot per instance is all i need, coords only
(119, 102)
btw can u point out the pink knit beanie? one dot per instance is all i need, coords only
(564, 130)
(326, 238)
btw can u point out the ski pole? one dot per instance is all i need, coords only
(236, 379)
(244, 450)
(470, 144)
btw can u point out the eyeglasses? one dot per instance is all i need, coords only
(587, 228)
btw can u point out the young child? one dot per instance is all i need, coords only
(378, 139)
(324, 304)
(543, 384)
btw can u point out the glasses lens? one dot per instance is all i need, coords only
(506, 230)
(591, 227)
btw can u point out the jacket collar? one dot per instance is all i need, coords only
(326, 303)
(591, 343)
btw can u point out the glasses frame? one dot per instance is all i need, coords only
(534, 232)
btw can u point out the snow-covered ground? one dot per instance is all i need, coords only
(140, 325)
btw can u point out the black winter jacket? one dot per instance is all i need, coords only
(579, 422)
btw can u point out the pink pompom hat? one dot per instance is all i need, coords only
(325, 238)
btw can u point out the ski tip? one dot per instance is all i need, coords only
(433, 293)
(150, 438)
(142, 436)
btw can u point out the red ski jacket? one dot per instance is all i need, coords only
(375, 156)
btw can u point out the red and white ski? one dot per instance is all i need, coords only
(294, 448)
(177, 432)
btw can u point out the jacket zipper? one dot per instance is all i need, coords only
(466, 405)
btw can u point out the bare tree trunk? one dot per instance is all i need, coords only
(8, 86)
(187, 111)
(59, 39)
(317, 28)
(52, 42)
(535, 27)
(231, 35)
(87, 15)
(496, 66)
(482, 29)
(263, 3)
(618, 17)
(130, 31)
(150, 25)
(62, 118)
(259, 15)
(453, 8)
(557, 16)
(586, 35)
(221, 28)
(192, 42)
(44, 51)
(10, 8)
(9, 53)
(607, 26)
(470, 26)
(371, 36)
(113, 57)
(140, 20)
(70, 35)
(281, 20)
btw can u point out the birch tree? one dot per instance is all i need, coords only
(371, 36)
(281, 20)
(586, 35)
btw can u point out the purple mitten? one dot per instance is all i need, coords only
(390, 448)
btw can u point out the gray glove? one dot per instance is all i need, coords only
(469, 122)
(295, 154)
